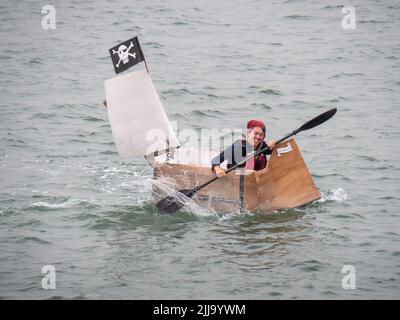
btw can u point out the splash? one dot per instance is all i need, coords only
(338, 194)
(161, 188)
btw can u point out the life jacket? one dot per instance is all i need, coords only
(231, 153)
(256, 163)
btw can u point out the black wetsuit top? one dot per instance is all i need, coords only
(236, 153)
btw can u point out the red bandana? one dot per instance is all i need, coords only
(256, 123)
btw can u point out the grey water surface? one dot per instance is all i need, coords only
(67, 199)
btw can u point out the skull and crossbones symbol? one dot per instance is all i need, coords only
(123, 53)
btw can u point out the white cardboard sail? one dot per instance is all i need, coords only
(138, 120)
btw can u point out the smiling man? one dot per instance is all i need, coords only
(236, 153)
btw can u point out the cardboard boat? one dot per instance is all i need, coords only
(284, 183)
(140, 127)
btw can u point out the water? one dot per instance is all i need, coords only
(67, 200)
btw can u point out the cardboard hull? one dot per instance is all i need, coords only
(284, 183)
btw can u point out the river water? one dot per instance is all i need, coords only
(67, 199)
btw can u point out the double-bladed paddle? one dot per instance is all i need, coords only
(171, 203)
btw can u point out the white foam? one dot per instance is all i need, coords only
(338, 194)
(66, 204)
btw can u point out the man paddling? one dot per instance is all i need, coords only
(238, 151)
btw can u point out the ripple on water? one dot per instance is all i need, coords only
(32, 239)
(96, 218)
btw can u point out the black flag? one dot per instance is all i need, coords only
(126, 55)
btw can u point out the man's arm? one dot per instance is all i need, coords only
(216, 161)
(270, 144)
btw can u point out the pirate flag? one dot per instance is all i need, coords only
(126, 55)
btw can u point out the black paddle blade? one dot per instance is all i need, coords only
(173, 203)
(317, 120)
(169, 204)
